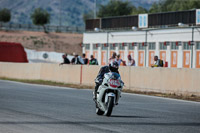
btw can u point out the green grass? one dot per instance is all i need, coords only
(80, 86)
(52, 83)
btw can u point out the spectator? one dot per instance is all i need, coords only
(158, 62)
(118, 60)
(65, 60)
(113, 58)
(76, 60)
(85, 60)
(131, 62)
(93, 61)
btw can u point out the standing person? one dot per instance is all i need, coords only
(85, 60)
(93, 61)
(158, 62)
(131, 62)
(113, 58)
(76, 60)
(118, 59)
(65, 60)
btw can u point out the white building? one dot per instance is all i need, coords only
(179, 45)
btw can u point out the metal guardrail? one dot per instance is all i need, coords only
(49, 28)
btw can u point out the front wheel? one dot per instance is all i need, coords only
(110, 106)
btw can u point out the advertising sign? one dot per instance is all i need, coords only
(103, 58)
(186, 59)
(174, 58)
(198, 60)
(143, 21)
(151, 58)
(163, 55)
(198, 16)
(141, 58)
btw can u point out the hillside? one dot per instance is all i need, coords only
(72, 10)
(57, 42)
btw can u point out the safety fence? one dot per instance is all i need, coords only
(174, 80)
(49, 28)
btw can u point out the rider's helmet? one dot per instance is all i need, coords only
(113, 66)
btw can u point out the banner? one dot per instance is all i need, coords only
(141, 58)
(143, 21)
(151, 57)
(103, 58)
(95, 54)
(87, 54)
(198, 16)
(198, 59)
(186, 59)
(163, 55)
(174, 58)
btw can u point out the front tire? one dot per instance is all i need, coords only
(110, 106)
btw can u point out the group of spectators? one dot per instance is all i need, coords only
(93, 61)
(84, 61)
(115, 57)
(79, 60)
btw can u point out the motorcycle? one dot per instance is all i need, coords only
(108, 93)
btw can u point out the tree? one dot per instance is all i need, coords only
(89, 15)
(174, 5)
(5, 15)
(40, 17)
(115, 8)
(139, 10)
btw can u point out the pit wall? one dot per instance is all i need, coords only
(164, 80)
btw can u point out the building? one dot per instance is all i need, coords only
(173, 36)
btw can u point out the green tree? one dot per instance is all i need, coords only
(5, 15)
(40, 17)
(174, 5)
(115, 8)
(89, 15)
(139, 10)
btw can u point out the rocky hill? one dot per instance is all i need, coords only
(71, 10)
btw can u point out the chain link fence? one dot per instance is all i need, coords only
(49, 28)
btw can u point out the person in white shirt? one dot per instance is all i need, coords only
(131, 62)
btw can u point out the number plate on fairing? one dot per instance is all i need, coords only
(114, 83)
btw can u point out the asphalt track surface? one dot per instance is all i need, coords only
(26, 108)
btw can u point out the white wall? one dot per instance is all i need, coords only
(37, 56)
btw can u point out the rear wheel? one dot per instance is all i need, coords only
(110, 106)
(99, 112)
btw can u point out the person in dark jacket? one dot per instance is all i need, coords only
(76, 60)
(65, 60)
(112, 67)
(85, 60)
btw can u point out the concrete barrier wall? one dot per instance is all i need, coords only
(63, 73)
(165, 80)
(20, 70)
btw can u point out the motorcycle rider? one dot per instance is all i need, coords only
(112, 67)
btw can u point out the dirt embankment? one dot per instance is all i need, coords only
(40, 41)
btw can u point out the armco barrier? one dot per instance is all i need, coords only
(164, 80)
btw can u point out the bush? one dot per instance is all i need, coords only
(5, 15)
(40, 17)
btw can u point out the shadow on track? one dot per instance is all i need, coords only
(128, 116)
(99, 123)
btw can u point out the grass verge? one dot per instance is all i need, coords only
(79, 86)
(52, 83)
